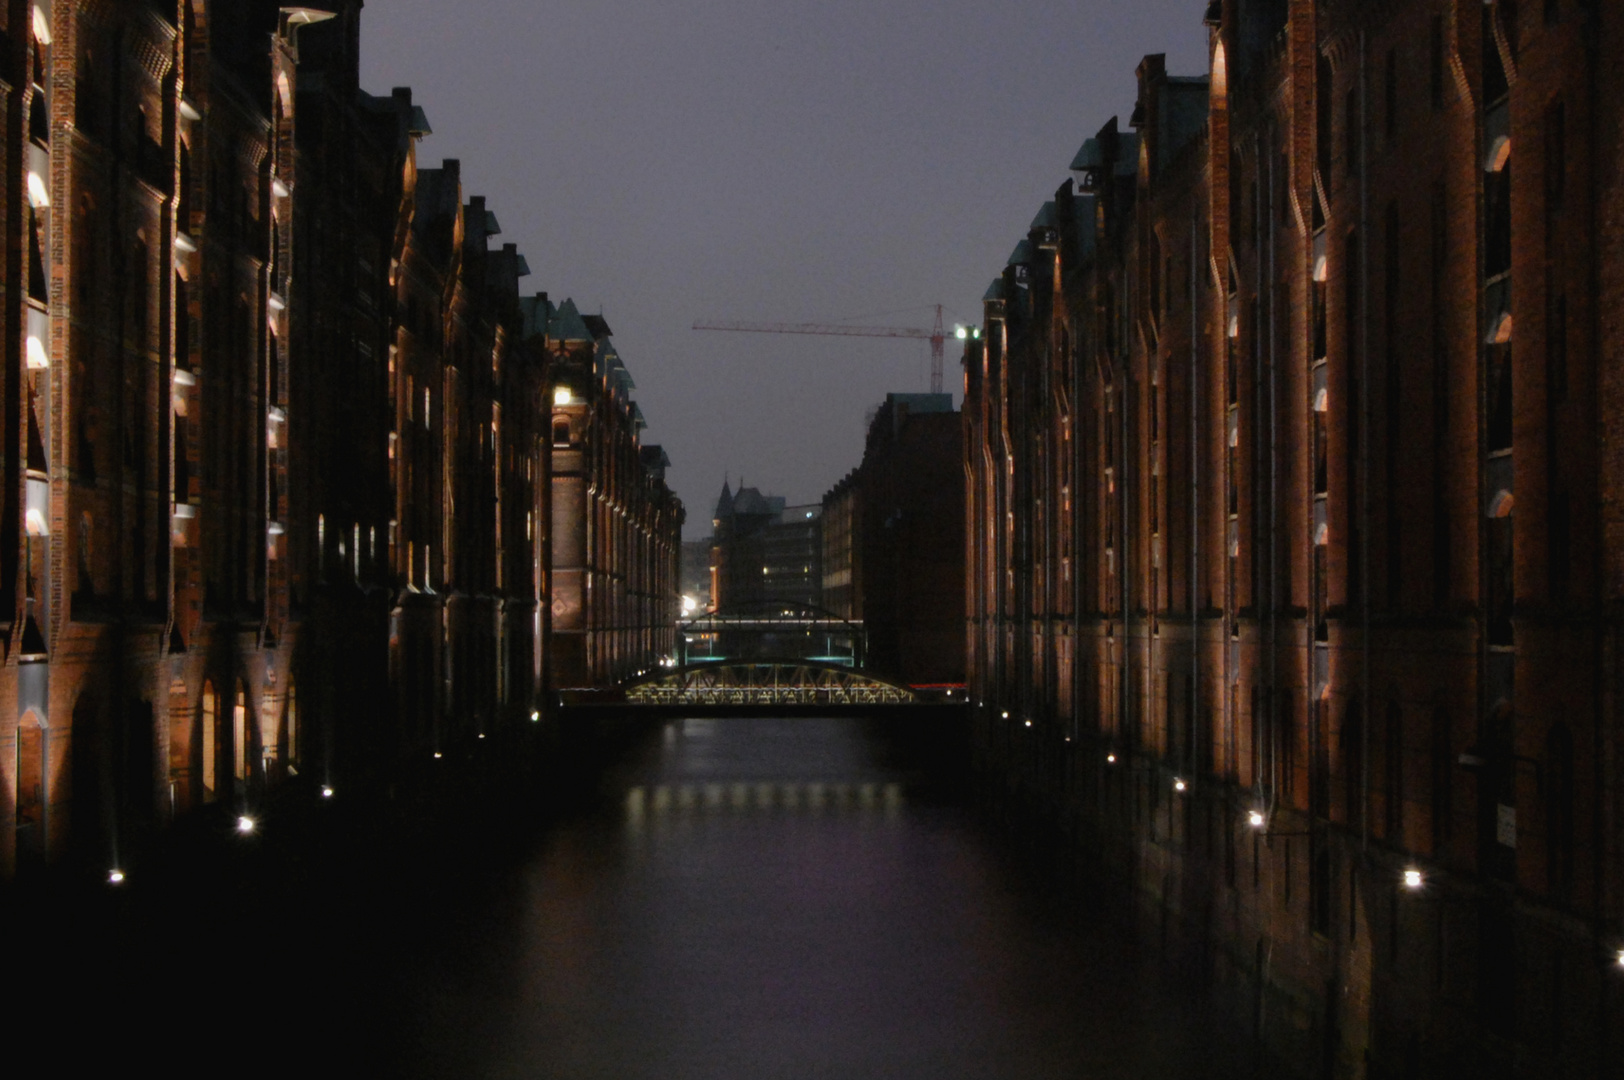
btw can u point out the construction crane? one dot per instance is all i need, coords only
(934, 335)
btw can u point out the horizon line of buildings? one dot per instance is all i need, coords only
(301, 483)
(1294, 576)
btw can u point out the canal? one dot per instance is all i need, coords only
(746, 898)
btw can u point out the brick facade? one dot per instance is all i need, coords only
(1287, 444)
(281, 465)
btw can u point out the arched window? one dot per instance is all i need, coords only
(1559, 810)
(1394, 763)
(561, 432)
(1353, 763)
(208, 739)
(31, 783)
(1443, 766)
(239, 734)
(291, 720)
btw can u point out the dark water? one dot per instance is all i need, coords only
(739, 899)
(775, 898)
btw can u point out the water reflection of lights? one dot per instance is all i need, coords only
(661, 799)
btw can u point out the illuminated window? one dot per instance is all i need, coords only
(239, 735)
(209, 736)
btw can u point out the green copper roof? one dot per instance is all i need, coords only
(1046, 217)
(1089, 156)
(566, 324)
(1022, 254)
(995, 291)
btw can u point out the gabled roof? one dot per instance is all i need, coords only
(995, 291)
(566, 324)
(1045, 218)
(1089, 156)
(1023, 253)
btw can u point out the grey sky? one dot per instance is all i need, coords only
(670, 160)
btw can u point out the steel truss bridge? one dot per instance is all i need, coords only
(766, 682)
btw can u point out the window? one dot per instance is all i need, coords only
(1435, 62)
(1394, 749)
(239, 735)
(1390, 96)
(209, 737)
(1351, 132)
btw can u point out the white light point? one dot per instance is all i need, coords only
(437, 755)
(535, 716)
(1255, 819)
(115, 876)
(1413, 879)
(327, 791)
(1110, 759)
(1006, 714)
(246, 824)
(1179, 784)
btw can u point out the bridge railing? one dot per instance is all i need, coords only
(766, 682)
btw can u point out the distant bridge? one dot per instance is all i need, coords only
(766, 682)
(769, 630)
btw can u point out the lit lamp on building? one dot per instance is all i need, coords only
(246, 825)
(1179, 785)
(1413, 879)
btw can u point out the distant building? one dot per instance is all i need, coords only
(764, 551)
(893, 541)
(842, 547)
(696, 576)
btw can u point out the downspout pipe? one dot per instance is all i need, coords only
(1195, 489)
(1274, 456)
(1364, 445)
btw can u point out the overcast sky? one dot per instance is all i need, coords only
(775, 160)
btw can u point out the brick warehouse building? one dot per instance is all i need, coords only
(893, 541)
(281, 483)
(1292, 559)
(616, 526)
